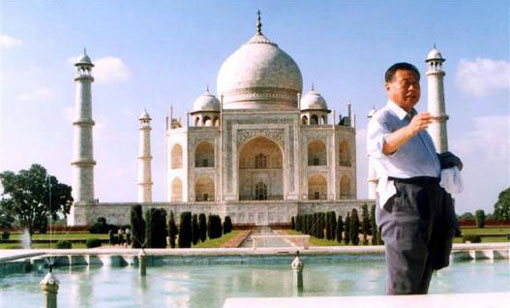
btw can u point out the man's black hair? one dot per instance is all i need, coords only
(400, 66)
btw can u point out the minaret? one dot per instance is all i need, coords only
(83, 158)
(435, 100)
(144, 160)
(372, 176)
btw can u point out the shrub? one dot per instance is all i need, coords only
(160, 229)
(185, 232)
(365, 223)
(292, 223)
(137, 226)
(172, 230)
(101, 227)
(354, 229)
(480, 218)
(195, 232)
(64, 245)
(339, 229)
(373, 227)
(473, 238)
(347, 228)
(93, 242)
(6, 235)
(227, 225)
(202, 226)
(214, 229)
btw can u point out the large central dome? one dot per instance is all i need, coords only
(259, 75)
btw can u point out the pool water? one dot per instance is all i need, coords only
(178, 285)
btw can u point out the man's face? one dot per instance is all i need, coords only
(404, 89)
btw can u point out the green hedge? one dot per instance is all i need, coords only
(473, 238)
(93, 242)
(64, 245)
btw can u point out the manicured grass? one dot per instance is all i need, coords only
(314, 241)
(486, 230)
(60, 236)
(217, 242)
(37, 246)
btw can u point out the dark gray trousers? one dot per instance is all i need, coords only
(407, 223)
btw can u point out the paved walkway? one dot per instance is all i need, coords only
(465, 300)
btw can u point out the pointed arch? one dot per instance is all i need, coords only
(314, 119)
(317, 154)
(204, 154)
(176, 156)
(207, 121)
(344, 153)
(304, 120)
(176, 194)
(317, 187)
(204, 189)
(345, 187)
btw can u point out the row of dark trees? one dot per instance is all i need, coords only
(327, 225)
(152, 232)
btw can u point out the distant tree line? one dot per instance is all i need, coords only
(326, 225)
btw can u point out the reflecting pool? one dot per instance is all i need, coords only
(172, 284)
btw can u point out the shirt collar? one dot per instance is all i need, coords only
(399, 112)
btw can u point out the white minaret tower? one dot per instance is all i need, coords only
(144, 160)
(372, 176)
(83, 158)
(435, 100)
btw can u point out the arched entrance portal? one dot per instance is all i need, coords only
(260, 170)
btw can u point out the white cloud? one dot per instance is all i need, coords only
(37, 95)
(107, 69)
(483, 76)
(8, 41)
(490, 136)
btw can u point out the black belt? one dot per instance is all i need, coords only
(418, 180)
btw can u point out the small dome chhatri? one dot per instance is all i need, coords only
(84, 60)
(313, 100)
(259, 75)
(145, 116)
(434, 54)
(206, 102)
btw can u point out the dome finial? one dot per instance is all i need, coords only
(313, 86)
(259, 23)
(207, 88)
(84, 51)
(435, 46)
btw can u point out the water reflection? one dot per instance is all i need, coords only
(171, 285)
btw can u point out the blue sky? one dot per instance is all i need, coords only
(161, 53)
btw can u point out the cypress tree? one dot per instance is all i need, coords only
(195, 231)
(327, 226)
(292, 223)
(297, 224)
(227, 225)
(373, 225)
(355, 226)
(149, 228)
(160, 229)
(332, 225)
(321, 225)
(137, 226)
(347, 228)
(185, 230)
(365, 223)
(202, 226)
(172, 229)
(339, 229)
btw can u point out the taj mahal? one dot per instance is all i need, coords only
(260, 151)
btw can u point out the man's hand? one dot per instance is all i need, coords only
(449, 160)
(399, 137)
(419, 122)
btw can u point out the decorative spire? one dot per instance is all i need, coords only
(84, 51)
(207, 88)
(313, 86)
(259, 23)
(434, 45)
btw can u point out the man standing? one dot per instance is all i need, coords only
(414, 214)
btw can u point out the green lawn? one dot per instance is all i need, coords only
(486, 230)
(61, 236)
(37, 246)
(217, 242)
